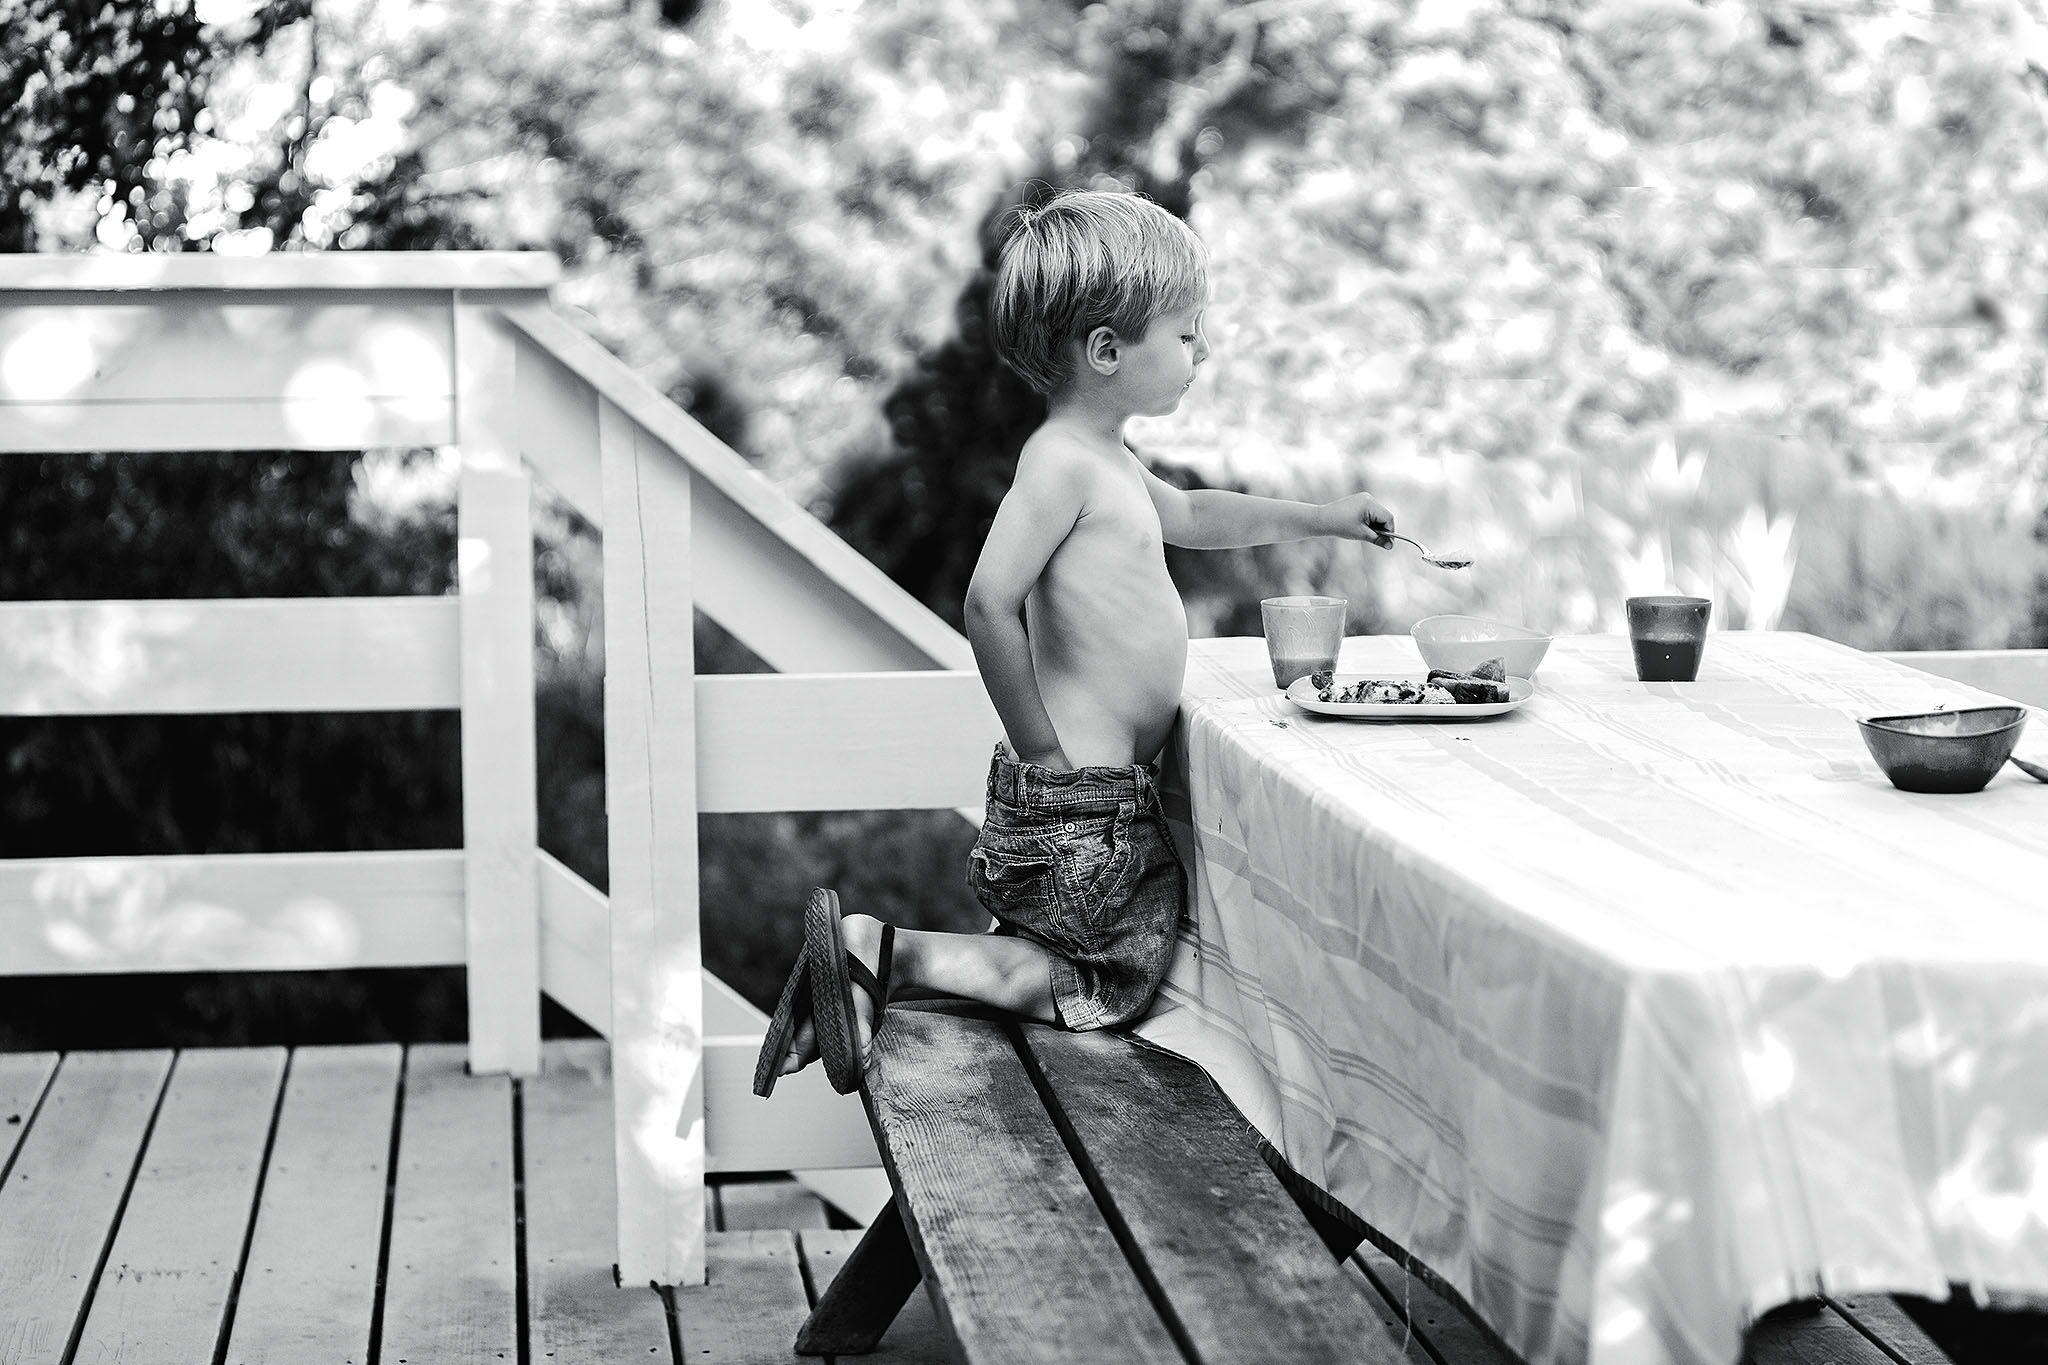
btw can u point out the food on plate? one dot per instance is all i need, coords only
(1486, 683)
(1476, 686)
(1385, 692)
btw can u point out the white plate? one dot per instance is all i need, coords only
(1303, 694)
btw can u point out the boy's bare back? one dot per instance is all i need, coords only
(1109, 636)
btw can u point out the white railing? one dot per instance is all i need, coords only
(877, 706)
(2021, 674)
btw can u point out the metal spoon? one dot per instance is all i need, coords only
(1427, 557)
(2033, 770)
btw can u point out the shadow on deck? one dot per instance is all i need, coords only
(368, 1205)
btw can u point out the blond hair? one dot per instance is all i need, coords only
(1088, 259)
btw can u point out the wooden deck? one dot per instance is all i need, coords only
(370, 1205)
(377, 1205)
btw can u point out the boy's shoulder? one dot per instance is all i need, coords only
(1056, 448)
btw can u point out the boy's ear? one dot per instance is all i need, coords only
(1099, 349)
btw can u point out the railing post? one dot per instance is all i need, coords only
(500, 819)
(651, 803)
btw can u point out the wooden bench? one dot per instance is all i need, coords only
(1074, 1197)
(1079, 1198)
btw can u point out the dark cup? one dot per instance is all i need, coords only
(1668, 635)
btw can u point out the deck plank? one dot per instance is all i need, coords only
(60, 1201)
(1246, 1274)
(1029, 1268)
(450, 1281)
(163, 1293)
(23, 1078)
(310, 1287)
(577, 1311)
(765, 1205)
(748, 1310)
(915, 1338)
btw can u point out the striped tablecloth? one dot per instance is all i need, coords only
(1639, 1010)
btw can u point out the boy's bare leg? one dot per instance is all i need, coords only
(1012, 974)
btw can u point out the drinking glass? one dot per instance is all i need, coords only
(1668, 635)
(1302, 635)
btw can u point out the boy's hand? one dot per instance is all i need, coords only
(1360, 517)
(1055, 759)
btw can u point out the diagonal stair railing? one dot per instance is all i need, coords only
(875, 706)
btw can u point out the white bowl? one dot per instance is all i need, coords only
(1462, 643)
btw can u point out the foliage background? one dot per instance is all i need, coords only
(1748, 299)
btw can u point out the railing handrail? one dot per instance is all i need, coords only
(2021, 674)
(723, 468)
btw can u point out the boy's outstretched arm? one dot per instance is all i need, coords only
(1035, 516)
(1218, 519)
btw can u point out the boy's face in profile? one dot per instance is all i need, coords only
(1153, 374)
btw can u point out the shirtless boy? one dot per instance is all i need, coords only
(1082, 642)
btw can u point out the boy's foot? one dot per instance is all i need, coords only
(863, 934)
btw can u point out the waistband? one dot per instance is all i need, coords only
(1035, 787)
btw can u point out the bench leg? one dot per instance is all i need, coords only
(864, 1298)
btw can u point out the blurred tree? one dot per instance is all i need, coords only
(1538, 254)
(94, 97)
(1172, 83)
(758, 209)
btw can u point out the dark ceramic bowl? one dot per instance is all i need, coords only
(1944, 751)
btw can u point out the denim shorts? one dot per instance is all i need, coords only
(1080, 863)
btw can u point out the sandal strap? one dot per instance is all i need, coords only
(886, 959)
(876, 984)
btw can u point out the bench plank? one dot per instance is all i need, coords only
(1393, 1318)
(1451, 1335)
(1026, 1267)
(1245, 1273)
(1881, 1318)
(1812, 1333)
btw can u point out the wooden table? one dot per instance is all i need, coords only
(1639, 1010)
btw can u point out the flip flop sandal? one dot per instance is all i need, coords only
(834, 973)
(790, 1011)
